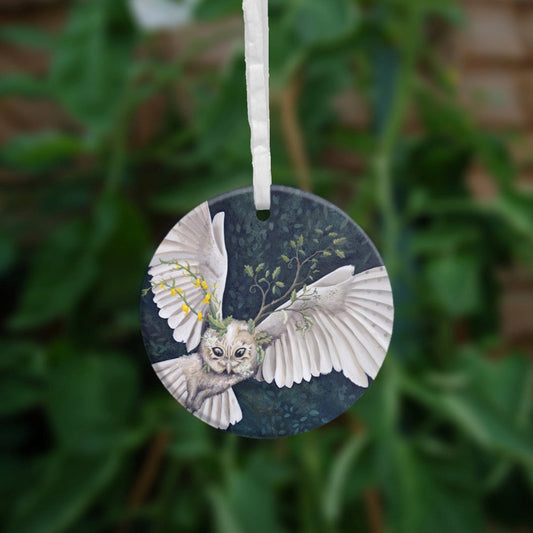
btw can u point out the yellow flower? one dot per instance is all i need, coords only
(204, 285)
(176, 267)
(207, 298)
(200, 317)
(162, 286)
(173, 292)
(197, 282)
(185, 309)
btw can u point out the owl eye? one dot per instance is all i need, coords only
(218, 352)
(240, 352)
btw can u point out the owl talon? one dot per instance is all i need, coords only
(196, 405)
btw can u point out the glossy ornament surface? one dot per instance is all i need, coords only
(266, 328)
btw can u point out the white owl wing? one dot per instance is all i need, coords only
(196, 242)
(351, 319)
(219, 411)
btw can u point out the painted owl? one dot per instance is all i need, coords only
(340, 322)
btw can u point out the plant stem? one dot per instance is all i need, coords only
(293, 133)
(389, 137)
(147, 475)
(263, 309)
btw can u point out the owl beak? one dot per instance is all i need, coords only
(228, 367)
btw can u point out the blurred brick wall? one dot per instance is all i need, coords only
(18, 115)
(493, 55)
(495, 64)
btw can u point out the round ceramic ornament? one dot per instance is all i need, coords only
(266, 328)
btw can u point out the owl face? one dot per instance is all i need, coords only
(232, 353)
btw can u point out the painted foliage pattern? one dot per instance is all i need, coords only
(266, 328)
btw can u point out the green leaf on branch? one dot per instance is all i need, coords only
(454, 283)
(40, 151)
(95, 93)
(318, 23)
(67, 485)
(23, 85)
(251, 326)
(28, 36)
(220, 326)
(61, 273)
(94, 394)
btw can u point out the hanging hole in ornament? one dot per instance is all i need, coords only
(263, 214)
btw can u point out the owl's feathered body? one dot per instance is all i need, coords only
(201, 383)
(223, 360)
(205, 393)
(342, 322)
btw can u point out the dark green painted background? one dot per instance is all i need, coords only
(270, 411)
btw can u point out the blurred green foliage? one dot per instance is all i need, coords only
(92, 442)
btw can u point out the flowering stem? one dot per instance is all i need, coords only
(198, 281)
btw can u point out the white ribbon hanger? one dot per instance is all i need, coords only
(256, 56)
